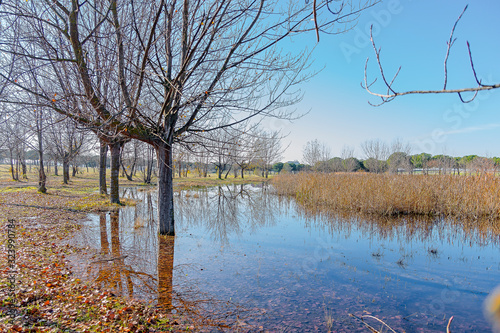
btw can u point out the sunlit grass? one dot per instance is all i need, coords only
(387, 195)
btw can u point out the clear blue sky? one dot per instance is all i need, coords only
(414, 36)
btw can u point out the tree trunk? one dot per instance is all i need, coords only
(115, 172)
(23, 168)
(56, 171)
(75, 170)
(17, 169)
(225, 176)
(12, 167)
(103, 153)
(42, 178)
(65, 170)
(165, 189)
(149, 170)
(242, 172)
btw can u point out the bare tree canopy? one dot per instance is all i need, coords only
(315, 151)
(163, 71)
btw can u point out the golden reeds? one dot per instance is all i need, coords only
(383, 194)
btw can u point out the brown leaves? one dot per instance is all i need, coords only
(48, 293)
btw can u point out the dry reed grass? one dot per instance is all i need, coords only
(389, 195)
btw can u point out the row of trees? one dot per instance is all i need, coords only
(161, 72)
(396, 157)
(67, 146)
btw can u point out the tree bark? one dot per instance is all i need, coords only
(17, 169)
(115, 171)
(56, 171)
(103, 153)
(65, 170)
(24, 170)
(165, 189)
(227, 173)
(12, 166)
(42, 178)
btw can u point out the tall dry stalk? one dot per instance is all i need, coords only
(432, 195)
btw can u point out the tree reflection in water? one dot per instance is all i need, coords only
(227, 210)
(228, 221)
(127, 245)
(165, 270)
(110, 270)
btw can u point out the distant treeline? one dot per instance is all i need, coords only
(400, 162)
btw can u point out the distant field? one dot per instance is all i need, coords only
(90, 180)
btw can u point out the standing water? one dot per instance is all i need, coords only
(245, 259)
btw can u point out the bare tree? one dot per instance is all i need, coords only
(221, 145)
(268, 150)
(148, 160)
(243, 152)
(348, 161)
(11, 128)
(129, 157)
(66, 142)
(174, 70)
(376, 153)
(483, 165)
(314, 152)
(400, 156)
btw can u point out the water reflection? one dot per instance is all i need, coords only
(226, 210)
(246, 257)
(165, 270)
(471, 232)
(110, 269)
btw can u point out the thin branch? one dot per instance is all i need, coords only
(472, 65)
(450, 44)
(448, 91)
(316, 20)
(377, 53)
(392, 94)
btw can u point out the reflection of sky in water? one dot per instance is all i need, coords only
(246, 246)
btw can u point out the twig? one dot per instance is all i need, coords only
(370, 327)
(377, 54)
(472, 65)
(360, 319)
(450, 44)
(111, 259)
(368, 316)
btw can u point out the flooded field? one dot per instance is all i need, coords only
(246, 259)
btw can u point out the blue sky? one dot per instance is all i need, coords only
(412, 34)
